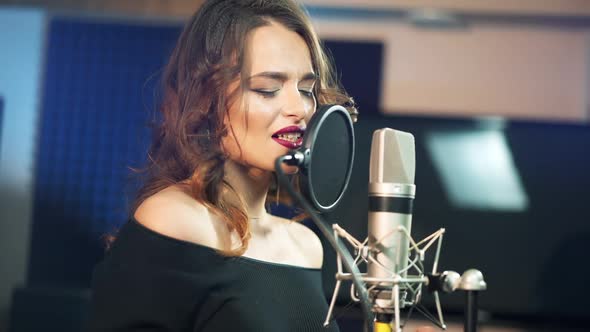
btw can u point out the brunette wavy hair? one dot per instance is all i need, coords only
(208, 56)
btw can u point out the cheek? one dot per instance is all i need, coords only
(235, 124)
(261, 114)
(248, 128)
(311, 106)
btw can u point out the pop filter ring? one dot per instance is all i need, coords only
(309, 143)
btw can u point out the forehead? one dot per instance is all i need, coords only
(278, 49)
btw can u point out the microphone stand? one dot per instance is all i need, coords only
(472, 283)
(470, 312)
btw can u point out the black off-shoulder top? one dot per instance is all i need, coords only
(152, 282)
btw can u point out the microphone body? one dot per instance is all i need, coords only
(391, 196)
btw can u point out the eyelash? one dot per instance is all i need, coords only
(266, 94)
(269, 94)
(307, 93)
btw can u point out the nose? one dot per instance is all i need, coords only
(298, 106)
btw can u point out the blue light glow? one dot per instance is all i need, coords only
(477, 170)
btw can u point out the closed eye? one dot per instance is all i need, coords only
(266, 93)
(307, 93)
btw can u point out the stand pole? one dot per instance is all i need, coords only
(470, 311)
(472, 283)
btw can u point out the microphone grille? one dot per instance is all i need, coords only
(393, 157)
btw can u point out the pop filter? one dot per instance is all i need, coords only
(328, 149)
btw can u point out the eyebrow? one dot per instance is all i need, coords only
(280, 76)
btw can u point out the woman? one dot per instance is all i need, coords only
(201, 252)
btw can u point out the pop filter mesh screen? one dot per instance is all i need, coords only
(331, 158)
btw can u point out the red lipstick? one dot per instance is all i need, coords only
(290, 137)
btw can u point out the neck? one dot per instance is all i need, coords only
(251, 185)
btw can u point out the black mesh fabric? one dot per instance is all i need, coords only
(149, 281)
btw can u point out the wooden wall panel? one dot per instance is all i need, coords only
(512, 69)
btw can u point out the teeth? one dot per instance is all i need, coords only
(291, 137)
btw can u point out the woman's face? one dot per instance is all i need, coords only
(277, 100)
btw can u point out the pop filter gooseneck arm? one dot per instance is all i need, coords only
(331, 129)
(347, 259)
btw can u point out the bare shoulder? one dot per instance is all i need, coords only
(308, 243)
(174, 213)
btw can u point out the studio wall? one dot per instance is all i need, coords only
(22, 36)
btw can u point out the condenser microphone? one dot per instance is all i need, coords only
(394, 281)
(391, 195)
